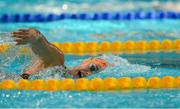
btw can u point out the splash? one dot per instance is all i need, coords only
(5, 37)
(12, 59)
(50, 73)
(6, 76)
(123, 65)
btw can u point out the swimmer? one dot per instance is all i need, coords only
(50, 56)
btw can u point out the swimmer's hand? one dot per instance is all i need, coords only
(24, 36)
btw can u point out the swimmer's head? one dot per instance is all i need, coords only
(88, 67)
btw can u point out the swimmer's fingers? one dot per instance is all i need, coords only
(18, 36)
(23, 30)
(19, 32)
(20, 41)
(23, 36)
(30, 30)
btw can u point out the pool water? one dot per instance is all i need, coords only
(75, 6)
(131, 65)
(136, 99)
(76, 30)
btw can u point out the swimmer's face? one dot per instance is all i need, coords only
(87, 68)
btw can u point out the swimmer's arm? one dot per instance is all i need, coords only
(50, 55)
(34, 68)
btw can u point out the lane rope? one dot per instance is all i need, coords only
(116, 47)
(27, 17)
(95, 84)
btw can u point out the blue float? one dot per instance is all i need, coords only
(27, 17)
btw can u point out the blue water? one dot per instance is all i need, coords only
(132, 65)
(136, 99)
(75, 30)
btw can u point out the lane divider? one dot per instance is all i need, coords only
(116, 47)
(95, 84)
(27, 17)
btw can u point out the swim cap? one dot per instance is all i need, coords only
(98, 61)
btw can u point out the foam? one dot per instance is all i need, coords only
(123, 65)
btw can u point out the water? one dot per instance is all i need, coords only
(76, 30)
(136, 99)
(74, 6)
(131, 65)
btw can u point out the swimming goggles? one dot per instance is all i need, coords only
(92, 67)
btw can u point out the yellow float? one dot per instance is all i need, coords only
(95, 84)
(130, 46)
